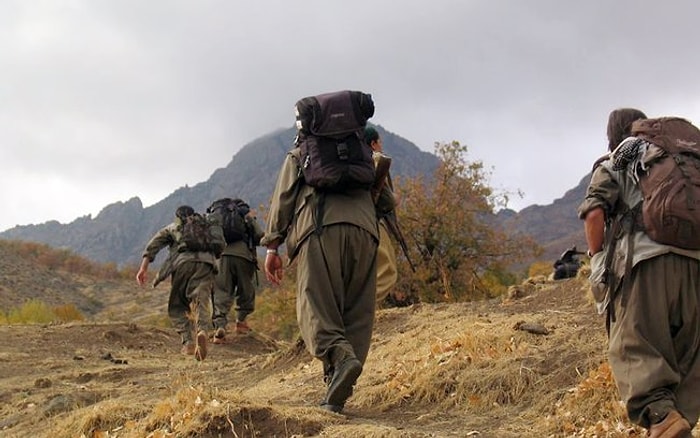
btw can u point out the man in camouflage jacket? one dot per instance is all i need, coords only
(192, 278)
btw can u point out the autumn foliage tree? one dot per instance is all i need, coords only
(448, 223)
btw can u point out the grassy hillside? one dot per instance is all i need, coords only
(528, 364)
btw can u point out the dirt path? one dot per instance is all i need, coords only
(434, 371)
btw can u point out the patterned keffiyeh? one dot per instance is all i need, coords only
(628, 156)
(626, 152)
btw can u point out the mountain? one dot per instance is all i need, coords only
(556, 226)
(121, 230)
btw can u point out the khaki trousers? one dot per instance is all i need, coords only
(190, 298)
(387, 273)
(336, 287)
(654, 348)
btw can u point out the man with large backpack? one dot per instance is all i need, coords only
(645, 266)
(238, 265)
(194, 242)
(322, 210)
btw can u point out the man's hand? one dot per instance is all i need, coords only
(141, 277)
(273, 268)
(143, 269)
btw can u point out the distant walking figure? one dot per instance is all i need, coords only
(194, 243)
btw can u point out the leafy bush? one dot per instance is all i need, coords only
(448, 221)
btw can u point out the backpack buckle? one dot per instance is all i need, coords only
(342, 149)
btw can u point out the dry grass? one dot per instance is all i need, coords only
(442, 370)
(478, 363)
(591, 409)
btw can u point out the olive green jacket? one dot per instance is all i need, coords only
(293, 210)
(243, 248)
(614, 191)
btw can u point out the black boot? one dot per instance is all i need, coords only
(346, 369)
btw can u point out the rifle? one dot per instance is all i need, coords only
(381, 172)
(392, 225)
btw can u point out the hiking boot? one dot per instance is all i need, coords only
(219, 336)
(242, 328)
(673, 426)
(200, 351)
(340, 388)
(331, 408)
(188, 348)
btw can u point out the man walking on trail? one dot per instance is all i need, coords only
(192, 277)
(237, 274)
(650, 291)
(333, 237)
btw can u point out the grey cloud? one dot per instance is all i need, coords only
(113, 89)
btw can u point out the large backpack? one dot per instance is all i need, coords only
(334, 154)
(231, 214)
(671, 186)
(197, 234)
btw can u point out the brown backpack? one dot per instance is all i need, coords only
(671, 186)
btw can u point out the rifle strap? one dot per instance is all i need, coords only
(625, 223)
(320, 203)
(608, 274)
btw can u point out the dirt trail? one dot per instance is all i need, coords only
(434, 371)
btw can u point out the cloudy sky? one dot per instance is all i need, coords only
(101, 101)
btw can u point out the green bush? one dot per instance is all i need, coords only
(33, 311)
(37, 312)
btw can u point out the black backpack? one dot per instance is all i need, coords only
(334, 154)
(231, 214)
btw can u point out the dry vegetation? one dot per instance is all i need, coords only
(438, 370)
(529, 363)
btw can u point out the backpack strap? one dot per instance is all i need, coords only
(600, 161)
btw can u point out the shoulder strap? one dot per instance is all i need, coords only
(600, 161)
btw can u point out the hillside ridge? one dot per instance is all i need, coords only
(121, 230)
(439, 370)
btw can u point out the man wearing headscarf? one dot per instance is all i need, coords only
(650, 292)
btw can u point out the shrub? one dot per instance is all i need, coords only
(37, 312)
(448, 220)
(540, 268)
(275, 308)
(33, 311)
(67, 313)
